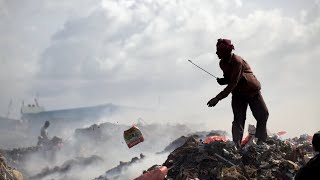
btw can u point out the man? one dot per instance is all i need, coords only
(44, 138)
(44, 131)
(245, 89)
(312, 169)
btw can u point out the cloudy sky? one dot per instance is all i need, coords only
(134, 53)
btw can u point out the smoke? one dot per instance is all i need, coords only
(135, 53)
(103, 137)
(137, 169)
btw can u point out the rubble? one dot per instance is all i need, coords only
(7, 172)
(197, 160)
(116, 172)
(176, 143)
(197, 135)
(155, 173)
(199, 155)
(274, 159)
(16, 157)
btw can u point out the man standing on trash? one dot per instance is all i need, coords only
(44, 131)
(311, 169)
(245, 89)
(43, 139)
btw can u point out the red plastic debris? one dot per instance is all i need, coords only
(310, 138)
(157, 174)
(245, 140)
(215, 138)
(281, 133)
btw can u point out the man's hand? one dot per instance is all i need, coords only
(222, 81)
(214, 101)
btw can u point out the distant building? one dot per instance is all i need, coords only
(35, 116)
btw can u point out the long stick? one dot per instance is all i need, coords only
(232, 164)
(224, 159)
(202, 69)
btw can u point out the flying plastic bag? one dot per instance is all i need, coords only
(133, 136)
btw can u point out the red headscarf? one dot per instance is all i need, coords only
(225, 44)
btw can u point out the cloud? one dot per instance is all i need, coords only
(132, 52)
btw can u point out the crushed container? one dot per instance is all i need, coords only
(133, 136)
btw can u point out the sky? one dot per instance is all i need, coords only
(134, 53)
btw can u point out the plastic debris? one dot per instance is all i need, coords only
(280, 133)
(215, 138)
(133, 136)
(158, 173)
(7, 172)
(217, 159)
(250, 138)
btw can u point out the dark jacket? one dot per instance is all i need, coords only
(310, 171)
(240, 77)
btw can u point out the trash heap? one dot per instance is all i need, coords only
(274, 159)
(197, 135)
(16, 157)
(117, 172)
(176, 143)
(7, 172)
(302, 148)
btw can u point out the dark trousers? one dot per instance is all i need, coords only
(259, 111)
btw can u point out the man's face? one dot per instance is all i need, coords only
(219, 54)
(222, 54)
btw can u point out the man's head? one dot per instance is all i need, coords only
(46, 124)
(316, 141)
(224, 48)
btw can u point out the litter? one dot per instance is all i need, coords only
(133, 136)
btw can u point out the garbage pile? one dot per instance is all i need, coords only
(302, 148)
(16, 157)
(175, 144)
(220, 159)
(156, 172)
(7, 172)
(117, 172)
(197, 135)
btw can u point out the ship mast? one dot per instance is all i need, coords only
(9, 108)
